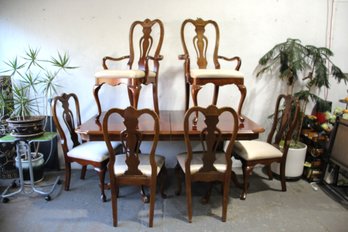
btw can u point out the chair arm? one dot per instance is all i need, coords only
(113, 59)
(236, 58)
(159, 57)
(183, 57)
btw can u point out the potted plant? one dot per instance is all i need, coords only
(34, 82)
(294, 62)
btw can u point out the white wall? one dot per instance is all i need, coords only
(89, 30)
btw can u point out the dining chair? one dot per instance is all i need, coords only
(208, 164)
(275, 149)
(150, 34)
(197, 32)
(94, 153)
(132, 167)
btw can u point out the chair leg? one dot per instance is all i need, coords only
(216, 94)
(152, 203)
(243, 92)
(194, 92)
(269, 172)
(247, 170)
(205, 199)
(282, 175)
(145, 198)
(96, 97)
(155, 97)
(163, 178)
(83, 172)
(102, 184)
(67, 176)
(188, 198)
(114, 194)
(187, 96)
(178, 175)
(133, 94)
(225, 198)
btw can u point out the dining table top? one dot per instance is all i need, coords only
(171, 127)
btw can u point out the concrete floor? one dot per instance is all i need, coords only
(266, 208)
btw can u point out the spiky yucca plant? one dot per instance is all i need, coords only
(34, 81)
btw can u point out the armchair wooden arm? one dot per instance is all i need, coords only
(235, 58)
(113, 59)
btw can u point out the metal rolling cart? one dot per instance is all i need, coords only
(23, 145)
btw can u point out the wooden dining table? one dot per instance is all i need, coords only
(171, 128)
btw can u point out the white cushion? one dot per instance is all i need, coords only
(95, 151)
(120, 165)
(253, 149)
(216, 73)
(197, 162)
(123, 74)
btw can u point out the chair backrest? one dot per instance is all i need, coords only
(338, 143)
(66, 116)
(210, 135)
(149, 41)
(285, 120)
(131, 136)
(197, 35)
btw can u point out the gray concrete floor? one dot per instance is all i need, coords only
(266, 208)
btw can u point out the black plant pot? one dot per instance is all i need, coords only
(28, 126)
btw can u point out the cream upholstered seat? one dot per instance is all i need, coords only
(197, 161)
(145, 43)
(209, 164)
(216, 73)
(250, 150)
(258, 152)
(120, 165)
(94, 153)
(200, 40)
(133, 167)
(123, 74)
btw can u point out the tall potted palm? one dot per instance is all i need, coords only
(294, 62)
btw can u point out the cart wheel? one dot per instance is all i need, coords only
(5, 200)
(14, 184)
(48, 198)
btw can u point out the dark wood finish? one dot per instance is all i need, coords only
(66, 126)
(210, 138)
(131, 138)
(149, 53)
(285, 119)
(200, 44)
(171, 128)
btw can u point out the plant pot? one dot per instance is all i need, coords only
(38, 168)
(28, 126)
(294, 163)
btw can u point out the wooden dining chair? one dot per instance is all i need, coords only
(196, 31)
(150, 44)
(252, 152)
(209, 164)
(94, 153)
(133, 167)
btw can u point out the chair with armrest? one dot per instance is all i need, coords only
(209, 164)
(150, 43)
(252, 152)
(203, 74)
(133, 167)
(93, 153)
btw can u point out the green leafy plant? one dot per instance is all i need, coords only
(292, 61)
(35, 81)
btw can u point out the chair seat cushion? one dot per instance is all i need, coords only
(93, 151)
(197, 162)
(123, 74)
(120, 165)
(216, 73)
(253, 149)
